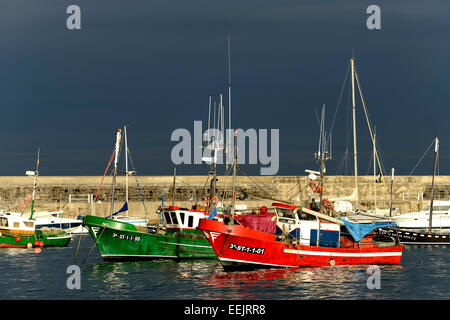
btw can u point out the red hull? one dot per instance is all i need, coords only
(12, 246)
(238, 247)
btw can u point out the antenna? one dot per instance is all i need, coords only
(209, 118)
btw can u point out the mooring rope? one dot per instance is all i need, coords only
(95, 243)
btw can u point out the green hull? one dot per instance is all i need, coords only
(122, 241)
(49, 240)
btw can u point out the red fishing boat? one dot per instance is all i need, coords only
(304, 238)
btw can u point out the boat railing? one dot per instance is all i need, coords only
(343, 242)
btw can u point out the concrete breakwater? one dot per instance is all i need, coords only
(75, 194)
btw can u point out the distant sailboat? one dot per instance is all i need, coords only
(419, 220)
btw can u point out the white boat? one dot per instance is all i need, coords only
(421, 219)
(52, 219)
(15, 222)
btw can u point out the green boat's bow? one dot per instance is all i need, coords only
(123, 241)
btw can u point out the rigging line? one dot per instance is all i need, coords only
(347, 137)
(380, 151)
(203, 189)
(225, 187)
(137, 183)
(370, 163)
(317, 117)
(297, 184)
(432, 142)
(368, 120)
(95, 243)
(341, 165)
(264, 191)
(101, 182)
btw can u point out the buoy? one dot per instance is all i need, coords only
(37, 250)
(1, 234)
(36, 243)
(29, 245)
(18, 239)
(263, 209)
(332, 262)
(41, 243)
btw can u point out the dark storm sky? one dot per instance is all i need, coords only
(152, 65)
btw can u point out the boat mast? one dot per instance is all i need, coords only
(234, 178)
(392, 185)
(126, 165)
(116, 155)
(352, 63)
(173, 185)
(230, 134)
(36, 173)
(375, 169)
(436, 149)
(322, 155)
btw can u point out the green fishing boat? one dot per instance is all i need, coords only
(179, 239)
(17, 231)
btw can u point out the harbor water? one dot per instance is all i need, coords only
(423, 274)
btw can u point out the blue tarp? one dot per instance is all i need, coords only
(360, 230)
(213, 213)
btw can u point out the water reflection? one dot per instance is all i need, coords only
(295, 283)
(422, 275)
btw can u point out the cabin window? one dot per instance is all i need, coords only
(306, 217)
(288, 221)
(3, 222)
(16, 225)
(167, 217)
(182, 217)
(190, 221)
(173, 215)
(29, 224)
(284, 212)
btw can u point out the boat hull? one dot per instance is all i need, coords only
(22, 241)
(116, 240)
(241, 248)
(415, 237)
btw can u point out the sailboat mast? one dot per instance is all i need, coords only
(355, 154)
(209, 120)
(230, 134)
(234, 178)
(126, 165)
(392, 185)
(375, 169)
(173, 185)
(34, 184)
(436, 149)
(116, 156)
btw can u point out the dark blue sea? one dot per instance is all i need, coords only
(25, 275)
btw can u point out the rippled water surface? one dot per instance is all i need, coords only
(424, 274)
